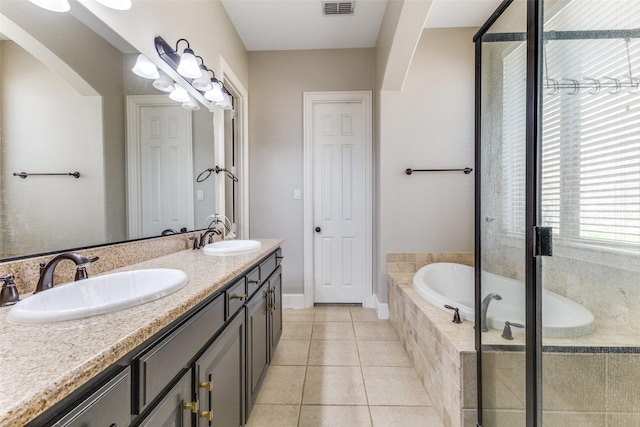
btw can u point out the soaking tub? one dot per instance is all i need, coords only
(453, 284)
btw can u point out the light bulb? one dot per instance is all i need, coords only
(215, 93)
(116, 4)
(179, 94)
(164, 82)
(191, 104)
(53, 5)
(189, 66)
(145, 68)
(202, 83)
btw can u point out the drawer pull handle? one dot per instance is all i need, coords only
(255, 282)
(192, 406)
(207, 385)
(207, 414)
(238, 296)
(280, 257)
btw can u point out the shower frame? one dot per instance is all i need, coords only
(535, 79)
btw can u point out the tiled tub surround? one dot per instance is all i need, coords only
(592, 380)
(41, 364)
(442, 352)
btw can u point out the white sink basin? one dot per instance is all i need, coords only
(231, 247)
(97, 295)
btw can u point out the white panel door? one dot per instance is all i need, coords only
(338, 153)
(164, 170)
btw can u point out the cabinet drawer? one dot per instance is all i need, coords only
(236, 296)
(270, 264)
(162, 362)
(253, 281)
(109, 405)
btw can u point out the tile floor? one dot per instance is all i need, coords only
(341, 366)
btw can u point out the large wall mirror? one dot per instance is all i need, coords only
(65, 90)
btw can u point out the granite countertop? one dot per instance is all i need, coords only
(42, 364)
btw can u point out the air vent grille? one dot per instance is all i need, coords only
(337, 8)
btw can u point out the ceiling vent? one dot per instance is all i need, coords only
(330, 8)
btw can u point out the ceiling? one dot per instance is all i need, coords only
(300, 24)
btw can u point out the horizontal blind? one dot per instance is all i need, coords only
(590, 187)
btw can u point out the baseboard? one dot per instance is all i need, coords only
(382, 308)
(293, 301)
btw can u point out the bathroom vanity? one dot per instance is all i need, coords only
(193, 358)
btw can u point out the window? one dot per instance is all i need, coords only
(590, 191)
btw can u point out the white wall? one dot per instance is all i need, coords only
(278, 80)
(429, 124)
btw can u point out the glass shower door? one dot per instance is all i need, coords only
(500, 255)
(590, 195)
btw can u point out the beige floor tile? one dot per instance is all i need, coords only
(380, 330)
(360, 314)
(396, 386)
(334, 416)
(291, 352)
(333, 331)
(401, 416)
(383, 353)
(333, 353)
(282, 385)
(334, 385)
(302, 315)
(274, 416)
(296, 330)
(333, 314)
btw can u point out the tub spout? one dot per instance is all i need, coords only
(483, 310)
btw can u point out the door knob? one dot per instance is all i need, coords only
(318, 229)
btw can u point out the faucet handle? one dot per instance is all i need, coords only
(506, 332)
(196, 242)
(456, 313)
(9, 294)
(81, 269)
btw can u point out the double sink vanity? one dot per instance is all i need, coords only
(194, 355)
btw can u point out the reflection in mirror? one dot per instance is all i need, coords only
(63, 109)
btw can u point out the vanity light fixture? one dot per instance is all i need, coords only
(188, 66)
(164, 82)
(145, 68)
(215, 93)
(191, 104)
(179, 94)
(116, 4)
(53, 5)
(202, 83)
(225, 104)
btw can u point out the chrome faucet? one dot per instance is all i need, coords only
(209, 233)
(46, 270)
(483, 310)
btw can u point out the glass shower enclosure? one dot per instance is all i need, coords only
(558, 214)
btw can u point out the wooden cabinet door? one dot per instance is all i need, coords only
(220, 378)
(257, 344)
(176, 408)
(275, 289)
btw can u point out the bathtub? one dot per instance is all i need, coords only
(454, 284)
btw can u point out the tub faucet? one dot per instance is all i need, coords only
(46, 270)
(483, 310)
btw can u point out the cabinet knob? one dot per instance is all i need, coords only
(192, 406)
(207, 385)
(207, 414)
(238, 296)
